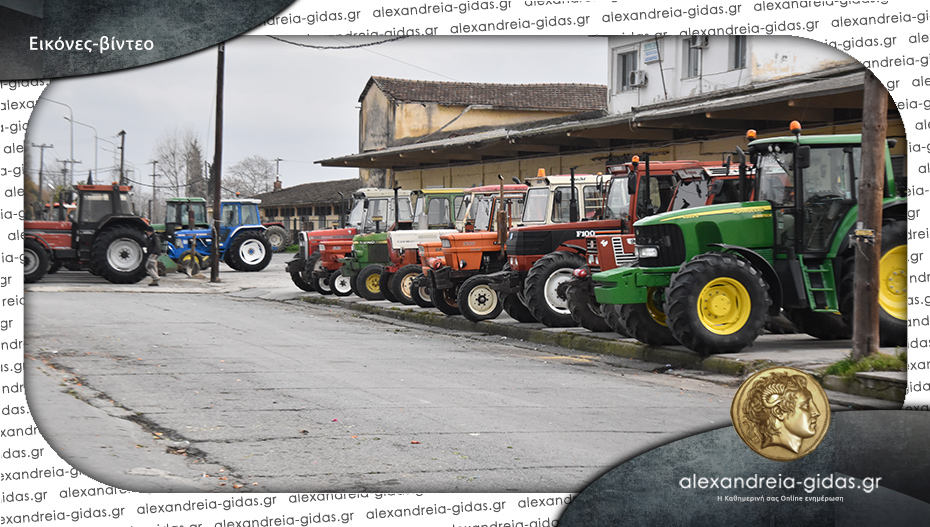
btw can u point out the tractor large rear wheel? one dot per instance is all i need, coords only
(892, 285)
(278, 237)
(818, 324)
(36, 261)
(251, 251)
(542, 282)
(369, 282)
(717, 303)
(384, 284)
(118, 254)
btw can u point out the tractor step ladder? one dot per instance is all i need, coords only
(818, 282)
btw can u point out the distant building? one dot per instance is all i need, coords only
(674, 97)
(308, 206)
(397, 112)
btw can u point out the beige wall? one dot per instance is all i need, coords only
(594, 162)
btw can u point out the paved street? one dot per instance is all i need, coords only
(194, 385)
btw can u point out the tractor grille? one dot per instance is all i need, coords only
(378, 253)
(668, 239)
(622, 258)
(529, 242)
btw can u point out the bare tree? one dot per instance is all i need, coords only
(253, 175)
(176, 151)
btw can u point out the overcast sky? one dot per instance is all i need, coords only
(283, 101)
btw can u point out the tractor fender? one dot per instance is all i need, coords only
(764, 267)
(580, 250)
(131, 221)
(39, 240)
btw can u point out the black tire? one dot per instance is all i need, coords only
(54, 268)
(278, 237)
(403, 283)
(340, 285)
(35, 261)
(385, 285)
(446, 300)
(477, 301)
(320, 284)
(420, 292)
(646, 324)
(818, 324)
(584, 309)
(300, 277)
(516, 309)
(251, 251)
(368, 282)
(541, 283)
(611, 314)
(892, 285)
(118, 254)
(733, 298)
(229, 258)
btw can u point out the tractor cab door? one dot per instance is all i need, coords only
(229, 220)
(828, 194)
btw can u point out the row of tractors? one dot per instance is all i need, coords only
(103, 235)
(700, 254)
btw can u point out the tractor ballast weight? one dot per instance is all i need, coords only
(723, 270)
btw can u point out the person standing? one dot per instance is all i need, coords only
(153, 248)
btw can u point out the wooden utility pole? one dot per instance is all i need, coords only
(217, 163)
(869, 228)
(122, 157)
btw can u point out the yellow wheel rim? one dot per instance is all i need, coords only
(723, 306)
(892, 272)
(373, 283)
(654, 310)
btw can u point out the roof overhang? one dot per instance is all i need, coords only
(824, 98)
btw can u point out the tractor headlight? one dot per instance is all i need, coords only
(646, 251)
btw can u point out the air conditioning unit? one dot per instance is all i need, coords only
(698, 41)
(637, 78)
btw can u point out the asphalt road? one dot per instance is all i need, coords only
(239, 385)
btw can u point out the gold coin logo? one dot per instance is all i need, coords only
(781, 413)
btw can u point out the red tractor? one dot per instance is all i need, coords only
(103, 234)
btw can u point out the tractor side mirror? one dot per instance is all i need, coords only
(803, 156)
(631, 184)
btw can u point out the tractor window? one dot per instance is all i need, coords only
(618, 199)
(94, 206)
(438, 212)
(831, 172)
(458, 204)
(465, 208)
(230, 215)
(482, 213)
(592, 202)
(562, 206)
(729, 193)
(537, 201)
(777, 183)
(691, 193)
(250, 215)
(358, 212)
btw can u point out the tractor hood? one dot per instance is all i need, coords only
(710, 213)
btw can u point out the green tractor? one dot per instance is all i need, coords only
(714, 275)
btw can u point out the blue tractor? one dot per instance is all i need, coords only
(242, 246)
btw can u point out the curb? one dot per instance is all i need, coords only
(885, 386)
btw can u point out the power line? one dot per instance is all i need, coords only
(348, 46)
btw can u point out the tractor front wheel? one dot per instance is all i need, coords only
(477, 301)
(385, 285)
(717, 303)
(368, 282)
(403, 282)
(300, 277)
(584, 310)
(420, 292)
(118, 255)
(35, 261)
(541, 287)
(339, 284)
(320, 283)
(446, 300)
